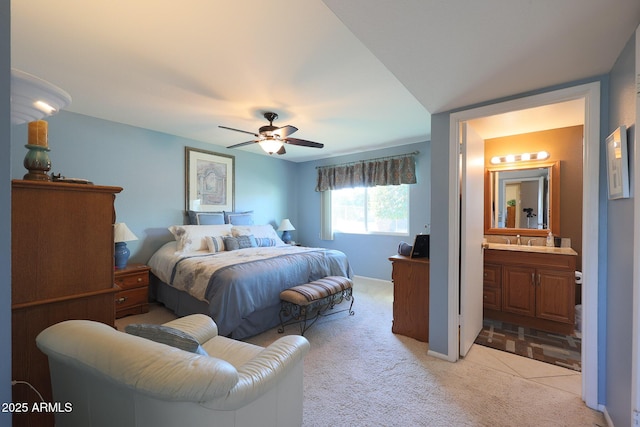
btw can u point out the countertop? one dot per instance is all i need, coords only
(525, 248)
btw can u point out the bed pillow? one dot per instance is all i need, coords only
(259, 232)
(166, 335)
(239, 218)
(264, 242)
(232, 243)
(191, 238)
(206, 218)
(215, 243)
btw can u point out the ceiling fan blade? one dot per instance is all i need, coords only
(242, 144)
(281, 150)
(285, 131)
(303, 142)
(238, 130)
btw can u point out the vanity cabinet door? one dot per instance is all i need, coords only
(518, 290)
(555, 295)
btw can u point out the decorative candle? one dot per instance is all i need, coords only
(38, 133)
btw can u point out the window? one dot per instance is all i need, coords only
(382, 209)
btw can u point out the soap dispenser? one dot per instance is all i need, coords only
(550, 240)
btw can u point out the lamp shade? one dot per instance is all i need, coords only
(121, 233)
(286, 225)
(33, 98)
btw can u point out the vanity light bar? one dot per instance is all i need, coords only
(524, 157)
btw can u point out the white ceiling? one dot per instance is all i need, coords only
(355, 75)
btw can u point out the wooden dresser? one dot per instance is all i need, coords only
(62, 268)
(410, 278)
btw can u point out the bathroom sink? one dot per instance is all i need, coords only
(525, 248)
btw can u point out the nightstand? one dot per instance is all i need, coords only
(133, 298)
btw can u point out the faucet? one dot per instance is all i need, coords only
(508, 240)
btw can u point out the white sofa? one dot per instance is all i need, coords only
(112, 378)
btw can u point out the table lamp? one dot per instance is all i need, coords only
(285, 227)
(121, 235)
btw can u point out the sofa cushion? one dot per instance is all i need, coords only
(199, 326)
(166, 335)
(233, 351)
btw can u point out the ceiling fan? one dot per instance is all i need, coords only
(272, 138)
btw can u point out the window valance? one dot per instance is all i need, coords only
(392, 170)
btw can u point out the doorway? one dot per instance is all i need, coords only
(590, 94)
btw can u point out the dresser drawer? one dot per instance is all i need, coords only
(133, 280)
(132, 297)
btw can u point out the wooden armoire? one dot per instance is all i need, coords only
(62, 268)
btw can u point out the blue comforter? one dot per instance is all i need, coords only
(244, 295)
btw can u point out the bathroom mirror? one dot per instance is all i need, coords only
(523, 199)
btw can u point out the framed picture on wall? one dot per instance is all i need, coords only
(617, 164)
(209, 181)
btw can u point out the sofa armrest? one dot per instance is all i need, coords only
(199, 326)
(261, 373)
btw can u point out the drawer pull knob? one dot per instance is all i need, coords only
(139, 279)
(121, 300)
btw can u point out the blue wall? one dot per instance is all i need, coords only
(149, 166)
(5, 208)
(440, 223)
(368, 254)
(619, 283)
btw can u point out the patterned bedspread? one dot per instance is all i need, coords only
(237, 284)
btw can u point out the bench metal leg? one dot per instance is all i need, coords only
(308, 314)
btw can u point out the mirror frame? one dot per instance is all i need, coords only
(554, 200)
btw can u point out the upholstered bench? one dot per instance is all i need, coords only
(304, 304)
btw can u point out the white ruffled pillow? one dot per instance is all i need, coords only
(191, 238)
(259, 232)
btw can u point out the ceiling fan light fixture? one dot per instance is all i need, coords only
(271, 145)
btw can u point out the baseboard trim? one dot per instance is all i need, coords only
(607, 418)
(440, 355)
(372, 279)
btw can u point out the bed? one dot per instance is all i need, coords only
(203, 271)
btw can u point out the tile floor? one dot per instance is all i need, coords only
(532, 370)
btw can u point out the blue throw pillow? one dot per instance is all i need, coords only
(239, 218)
(265, 242)
(239, 242)
(206, 218)
(166, 335)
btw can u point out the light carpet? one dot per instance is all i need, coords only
(358, 373)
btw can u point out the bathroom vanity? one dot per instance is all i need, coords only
(531, 286)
